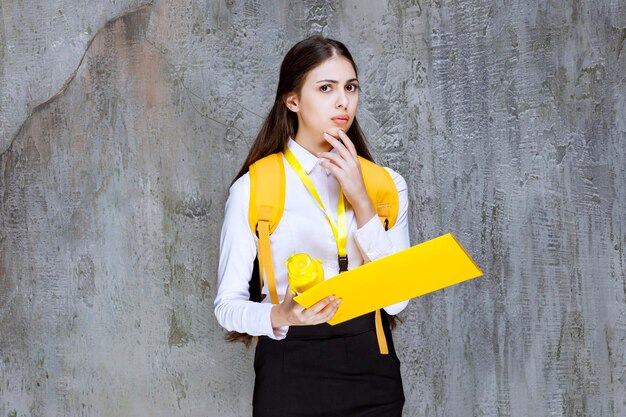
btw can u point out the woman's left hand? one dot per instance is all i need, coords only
(346, 167)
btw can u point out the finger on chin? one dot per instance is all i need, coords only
(337, 134)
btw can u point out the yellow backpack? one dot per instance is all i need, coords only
(267, 202)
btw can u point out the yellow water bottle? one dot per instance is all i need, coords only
(303, 272)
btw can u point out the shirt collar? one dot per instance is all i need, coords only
(306, 158)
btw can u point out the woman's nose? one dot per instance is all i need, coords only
(342, 100)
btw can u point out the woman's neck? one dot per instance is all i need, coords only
(312, 145)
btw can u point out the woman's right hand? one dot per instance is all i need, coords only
(290, 313)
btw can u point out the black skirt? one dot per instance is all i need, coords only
(328, 370)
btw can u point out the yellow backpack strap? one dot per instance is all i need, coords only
(267, 202)
(380, 334)
(382, 191)
(384, 195)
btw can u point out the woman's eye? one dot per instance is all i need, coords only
(352, 87)
(324, 86)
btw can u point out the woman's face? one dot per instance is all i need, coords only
(329, 92)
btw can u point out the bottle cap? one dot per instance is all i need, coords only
(303, 272)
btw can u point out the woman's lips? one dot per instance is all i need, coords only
(341, 120)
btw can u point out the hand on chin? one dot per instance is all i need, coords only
(334, 132)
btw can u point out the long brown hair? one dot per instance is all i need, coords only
(281, 123)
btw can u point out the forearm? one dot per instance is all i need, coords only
(244, 316)
(363, 211)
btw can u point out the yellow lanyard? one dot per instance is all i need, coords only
(340, 230)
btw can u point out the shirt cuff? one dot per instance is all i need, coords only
(372, 240)
(280, 332)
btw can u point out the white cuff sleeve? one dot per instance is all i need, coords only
(372, 240)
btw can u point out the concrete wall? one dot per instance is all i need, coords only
(122, 124)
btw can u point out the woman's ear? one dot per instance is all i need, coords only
(292, 102)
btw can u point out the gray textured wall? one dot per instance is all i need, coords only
(123, 122)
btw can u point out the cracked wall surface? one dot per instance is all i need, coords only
(40, 46)
(123, 124)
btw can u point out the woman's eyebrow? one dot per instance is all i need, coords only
(335, 81)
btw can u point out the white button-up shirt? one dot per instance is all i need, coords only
(302, 228)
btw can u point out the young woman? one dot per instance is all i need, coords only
(304, 366)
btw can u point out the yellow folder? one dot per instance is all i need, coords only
(418, 270)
